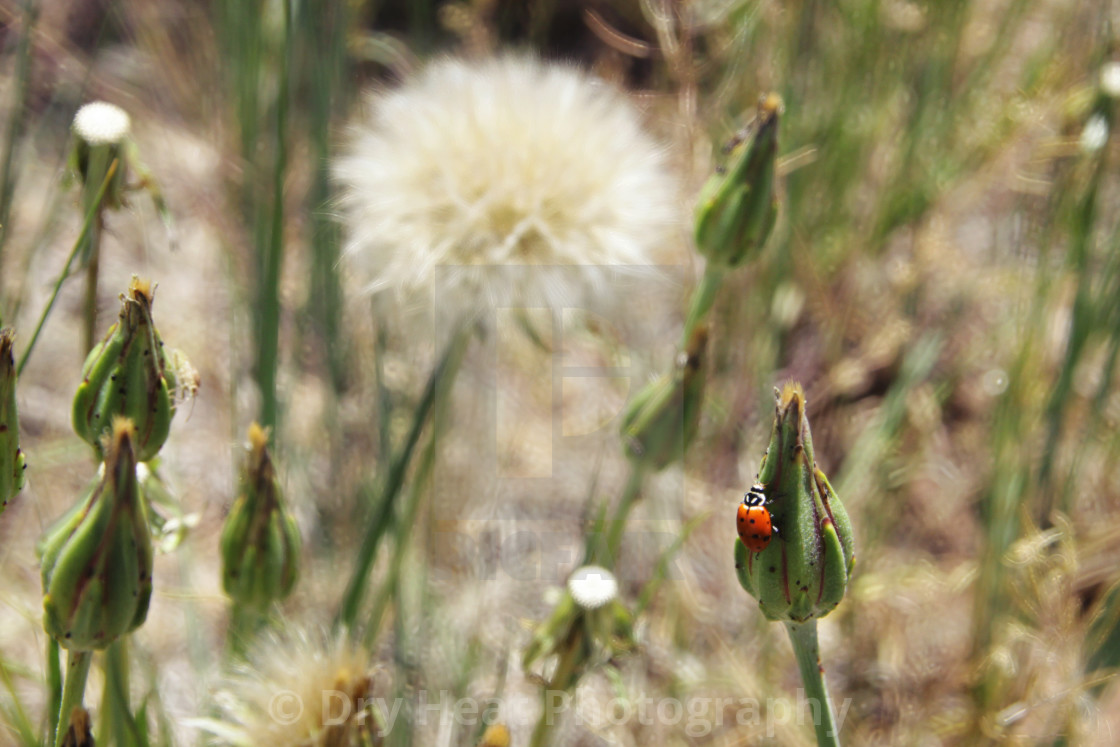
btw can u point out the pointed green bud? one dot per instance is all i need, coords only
(128, 374)
(260, 541)
(97, 559)
(12, 463)
(661, 420)
(738, 205)
(802, 572)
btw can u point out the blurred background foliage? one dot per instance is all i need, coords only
(944, 280)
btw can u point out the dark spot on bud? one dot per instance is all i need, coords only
(121, 391)
(67, 633)
(112, 377)
(3, 428)
(773, 569)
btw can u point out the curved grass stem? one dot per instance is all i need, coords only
(87, 226)
(437, 387)
(618, 523)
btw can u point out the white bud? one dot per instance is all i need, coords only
(1095, 134)
(591, 586)
(101, 123)
(1110, 79)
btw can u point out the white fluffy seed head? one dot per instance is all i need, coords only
(101, 123)
(1095, 134)
(1110, 79)
(592, 586)
(511, 171)
(278, 697)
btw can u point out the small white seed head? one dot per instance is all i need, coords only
(592, 586)
(101, 123)
(1095, 134)
(1110, 79)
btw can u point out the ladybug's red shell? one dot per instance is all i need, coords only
(755, 527)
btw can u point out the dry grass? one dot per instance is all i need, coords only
(922, 284)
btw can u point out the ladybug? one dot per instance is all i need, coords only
(753, 520)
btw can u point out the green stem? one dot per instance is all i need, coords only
(629, 497)
(401, 535)
(77, 669)
(702, 299)
(117, 724)
(268, 329)
(803, 636)
(244, 624)
(563, 680)
(540, 731)
(93, 270)
(78, 244)
(54, 686)
(439, 382)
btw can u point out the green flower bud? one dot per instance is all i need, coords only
(589, 625)
(803, 572)
(97, 559)
(127, 374)
(661, 419)
(260, 541)
(12, 463)
(738, 205)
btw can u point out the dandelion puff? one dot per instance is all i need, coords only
(1095, 135)
(591, 586)
(295, 690)
(533, 181)
(1110, 79)
(101, 123)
